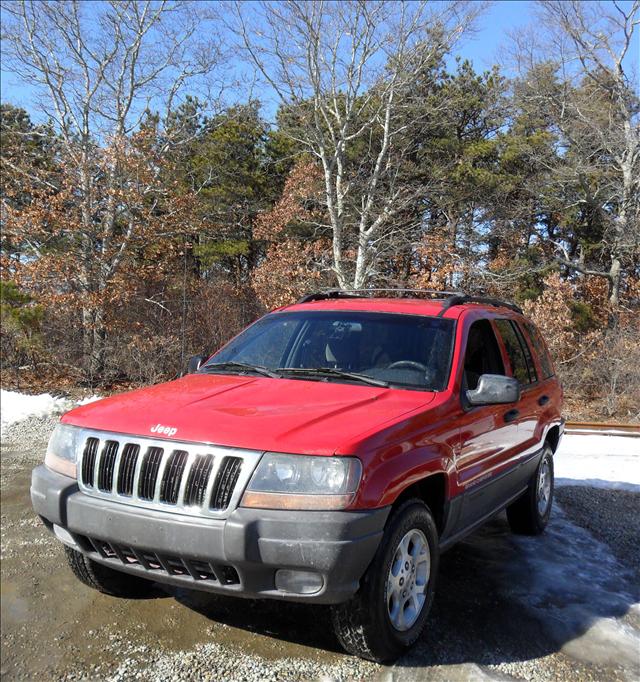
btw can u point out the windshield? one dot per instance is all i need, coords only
(407, 351)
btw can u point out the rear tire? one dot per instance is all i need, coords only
(529, 514)
(105, 579)
(400, 581)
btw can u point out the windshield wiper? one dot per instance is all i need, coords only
(277, 374)
(332, 372)
(241, 366)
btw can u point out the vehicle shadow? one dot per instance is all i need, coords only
(302, 624)
(500, 599)
(504, 598)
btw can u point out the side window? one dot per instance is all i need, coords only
(531, 365)
(482, 355)
(521, 362)
(540, 347)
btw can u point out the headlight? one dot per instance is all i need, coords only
(62, 451)
(303, 482)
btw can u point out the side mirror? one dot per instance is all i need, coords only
(494, 389)
(195, 362)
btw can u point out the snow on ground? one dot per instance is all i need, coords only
(599, 461)
(576, 585)
(579, 590)
(15, 407)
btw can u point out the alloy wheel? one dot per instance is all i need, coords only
(407, 580)
(544, 487)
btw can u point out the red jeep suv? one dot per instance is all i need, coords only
(327, 454)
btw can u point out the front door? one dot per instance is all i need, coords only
(489, 440)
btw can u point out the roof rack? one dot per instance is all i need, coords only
(449, 298)
(460, 299)
(363, 293)
(324, 295)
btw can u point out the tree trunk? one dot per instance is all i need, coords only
(94, 334)
(614, 281)
(360, 275)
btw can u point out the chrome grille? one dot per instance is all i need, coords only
(197, 480)
(107, 465)
(170, 486)
(225, 482)
(187, 478)
(149, 473)
(89, 461)
(127, 469)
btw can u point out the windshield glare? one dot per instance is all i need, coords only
(405, 350)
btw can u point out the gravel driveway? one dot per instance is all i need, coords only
(560, 607)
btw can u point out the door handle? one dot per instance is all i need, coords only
(543, 400)
(511, 415)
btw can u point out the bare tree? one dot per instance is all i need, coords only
(347, 70)
(98, 69)
(593, 100)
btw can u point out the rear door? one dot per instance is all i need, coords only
(523, 368)
(549, 390)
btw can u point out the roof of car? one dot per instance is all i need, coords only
(407, 306)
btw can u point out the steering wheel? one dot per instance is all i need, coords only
(409, 364)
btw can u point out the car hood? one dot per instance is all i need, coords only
(283, 415)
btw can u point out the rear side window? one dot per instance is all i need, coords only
(531, 365)
(519, 354)
(540, 347)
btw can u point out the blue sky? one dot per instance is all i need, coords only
(482, 48)
(493, 28)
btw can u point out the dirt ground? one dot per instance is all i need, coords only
(560, 607)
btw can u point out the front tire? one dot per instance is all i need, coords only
(529, 515)
(389, 611)
(105, 579)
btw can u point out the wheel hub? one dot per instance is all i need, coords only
(407, 580)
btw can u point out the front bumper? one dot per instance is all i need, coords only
(243, 551)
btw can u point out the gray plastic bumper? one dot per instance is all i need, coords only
(254, 543)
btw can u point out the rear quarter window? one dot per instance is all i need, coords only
(541, 350)
(519, 353)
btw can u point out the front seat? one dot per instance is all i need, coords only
(475, 359)
(342, 351)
